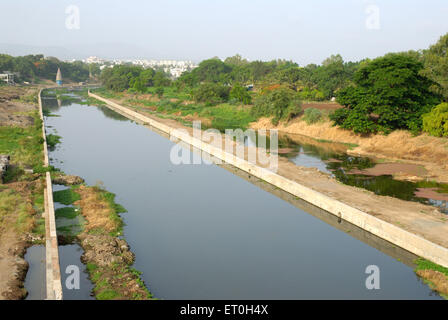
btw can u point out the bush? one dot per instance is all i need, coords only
(281, 103)
(390, 93)
(311, 95)
(211, 93)
(436, 121)
(159, 91)
(312, 115)
(240, 94)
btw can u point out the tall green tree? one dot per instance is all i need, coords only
(436, 66)
(239, 93)
(389, 93)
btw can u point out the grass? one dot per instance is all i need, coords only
(115, 210)
(423, 264)
(173, 106)
(66, 197)
(11, 203)
(53, 140)
(434, 275)
(24, 145)
(66, 212)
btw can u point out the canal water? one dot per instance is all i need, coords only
(204, 232)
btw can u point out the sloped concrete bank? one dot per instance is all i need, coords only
(385, 230)
(53, 272)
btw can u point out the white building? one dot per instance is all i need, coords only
(7, 77)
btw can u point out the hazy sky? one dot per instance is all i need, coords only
(304, 31)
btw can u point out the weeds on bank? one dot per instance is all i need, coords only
(53, 140)
(24, 145)
(434, 275)
(67, 196)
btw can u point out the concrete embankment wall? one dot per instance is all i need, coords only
(53, 271)
(399, 237)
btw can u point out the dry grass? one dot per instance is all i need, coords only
(95, 210)
(437, 280)
(397, 145)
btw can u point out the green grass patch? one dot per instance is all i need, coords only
(423, 264)
(53, 140)
(107, 294)
(115, 211)
(66, 212)
(67, 196)
(24, 145)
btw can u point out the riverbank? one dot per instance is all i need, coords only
(426, 152)
(99, 232)
(22, 190)
(382, 214)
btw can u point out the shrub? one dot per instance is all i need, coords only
(240, 94)
(436, 121)
(211, 93)
(389, 93)
(312, 115)
(159, 91)
(281, 103)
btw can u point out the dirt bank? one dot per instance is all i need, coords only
(20, 221)
(21, 194)
(108, 257)
(428, 152)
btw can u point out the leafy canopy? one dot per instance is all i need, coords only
(389, 93)
(436, 121)
(282, 103)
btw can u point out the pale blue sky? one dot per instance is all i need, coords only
(304, 31)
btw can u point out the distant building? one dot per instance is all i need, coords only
(59, 77)
(7, 77)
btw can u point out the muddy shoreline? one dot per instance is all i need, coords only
(106, 254)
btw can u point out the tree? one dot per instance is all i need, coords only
(138, 85)
(236, 60)
(389, 93)
(211, 70)
(160, 79)
(281, 103)
(436, 66)
(436, 121)
(239, 93)
(211, 93)
(159, 91)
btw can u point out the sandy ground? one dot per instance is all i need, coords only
(420, 219)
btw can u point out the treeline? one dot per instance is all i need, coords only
(31, 68)
(396, 91)
(312, 82)
(138, 79)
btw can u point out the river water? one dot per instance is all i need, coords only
(204, 232)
